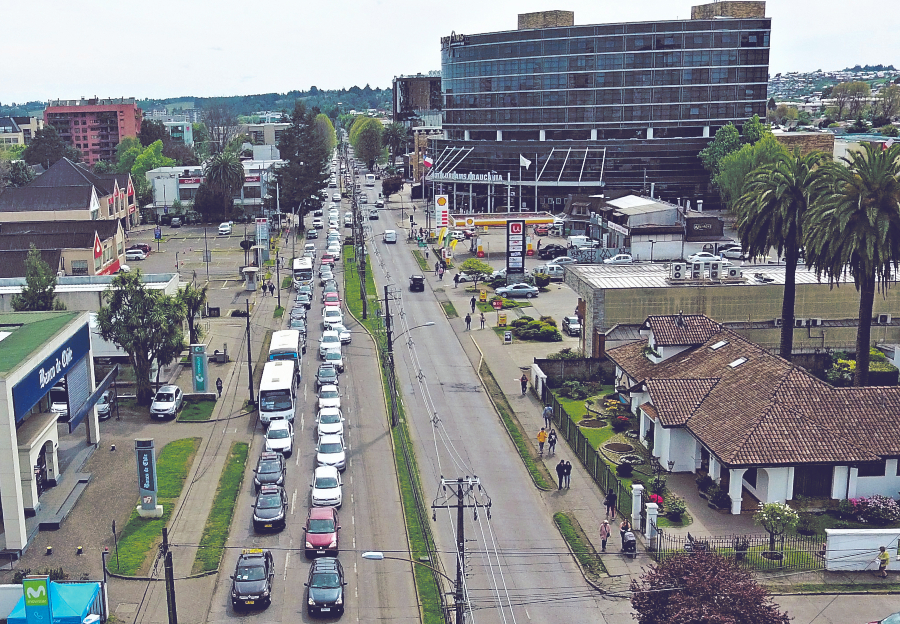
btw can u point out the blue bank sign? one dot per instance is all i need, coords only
(36, 384)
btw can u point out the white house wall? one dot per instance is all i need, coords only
(683, 449)
(887, 485)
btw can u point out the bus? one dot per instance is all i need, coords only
(370, 179)
(287, 344)
(302, 271)
(278, 392)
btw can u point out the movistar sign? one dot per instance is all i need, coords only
(36, 594)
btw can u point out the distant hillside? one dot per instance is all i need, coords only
(870, 68)
(23, 109)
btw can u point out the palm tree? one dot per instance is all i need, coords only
(225, 175)
(856, 228)
(771, 211)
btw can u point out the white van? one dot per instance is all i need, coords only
(390, 236)
(278, 392)
(577, 241)
(555, 271)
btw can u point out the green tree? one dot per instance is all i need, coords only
(146, 324)
(734, 168)
(476, 269)
(324, 131)
(365, 137)
(887, 102)
(225, 174)
(391, 185)
(201, 140)
(148, 159)
(104, 166)
(127, 150)
(153, 131)
(395, 137)
(20, 174)
(39, 293)
(753, 130)
(212, 205)
(46, 148)
(726, 141)
(776, 519)
(856, 228)
(771, 213)
(193, 298)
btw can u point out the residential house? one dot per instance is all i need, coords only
(86, 247)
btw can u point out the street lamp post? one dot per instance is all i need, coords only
(379, 556)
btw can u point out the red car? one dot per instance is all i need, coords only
(322, 532)
(332, 299)
(327, 259)
(541, 230)
(142, 246)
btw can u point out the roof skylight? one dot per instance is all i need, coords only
(719, 345)
(738, 362)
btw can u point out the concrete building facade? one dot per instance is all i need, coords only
(94, 126)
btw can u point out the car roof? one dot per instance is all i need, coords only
(249, 554)
(279, 424)
(269, 456)
(330, 409)
(169, 388)
(270, 489)
(326, 471)
(329, 332)
(331, 437)
(325, 564)
(329, 387)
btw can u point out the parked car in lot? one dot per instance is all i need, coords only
(142, 246)
(571, 325)
(619, 259)
(326, 487)
(552, 251)
(251, 583)
(176, 222)
(541, 230)
(498, 274)
(705, 257)
(555, 271)
(104, 405)
(734, 253)
(518, 290)
(166, 402)
(270, 509)
(325, 587)
(563, 260)
(894, 618)
(135, 254)
(322, 532)
(225, 228)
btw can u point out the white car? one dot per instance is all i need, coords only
(334, 250)
(280, 437)
(457, 235)
(332, 315)
(561, 260)
(342, 331)
(166, 402)
(705, 257)
(135, 254)
(225, 228)
(329, 396)
(310, 247)
(318, 224)
(329, 421)
(336, 197)
(326, 487)
(619, 259)
(335, 358)
(330, 451)
(734, 253)
(329, 340)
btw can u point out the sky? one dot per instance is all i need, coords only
(199, 47)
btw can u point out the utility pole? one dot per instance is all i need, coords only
(170, 578)
(252, 401)
(461, 493)
(392, 379)
(278, 276)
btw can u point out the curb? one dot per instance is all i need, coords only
(578, 563)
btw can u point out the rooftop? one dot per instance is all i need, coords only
(26, 332)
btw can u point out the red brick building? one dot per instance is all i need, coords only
(95, 126)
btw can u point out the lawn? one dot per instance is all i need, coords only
(830, 520)
(140, 536)
(421, 261)
(286, 283)
(197, 410)
(279, 312)
(662, 522)
(449, 309)
(215, 533)
(580, 544)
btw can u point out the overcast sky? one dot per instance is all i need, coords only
(166, 48)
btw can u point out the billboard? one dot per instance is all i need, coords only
(515, 247)
(441, 211)
(146, 464)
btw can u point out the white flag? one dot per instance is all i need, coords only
(524, 162)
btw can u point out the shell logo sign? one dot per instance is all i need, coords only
(442, 211)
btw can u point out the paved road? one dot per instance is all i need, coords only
(518, 568)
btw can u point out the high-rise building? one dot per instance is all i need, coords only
(417, 99)
(94, 126)
(575, 109)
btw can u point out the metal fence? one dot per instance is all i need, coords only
(752, 552)
(600, 471)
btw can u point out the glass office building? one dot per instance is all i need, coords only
(619, 106)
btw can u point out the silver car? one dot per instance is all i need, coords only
(167, 402)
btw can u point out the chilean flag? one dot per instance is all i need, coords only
(428, 161)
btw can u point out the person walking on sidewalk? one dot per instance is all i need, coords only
(568, 473)
(219, 386)
(548, 416)
(472, 303)
(437, 265)
(468, 322)
(524, 381)
(456, 281)
(611, 500)
(542, 439)
(551, 443)
(883, 559)
(271, 289)
(605, 530)
(441, 274)
(560, 472)
(624, 527)
(482, 320)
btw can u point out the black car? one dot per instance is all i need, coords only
(325, 588)
(251, 585)
(327, 374)
(269, 470)
(417, 282)
(299, 324)
(304, 300)
(312, 233)
(552, 251)
(270, 509)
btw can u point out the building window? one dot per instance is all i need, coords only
(79, 267)
(872, 469)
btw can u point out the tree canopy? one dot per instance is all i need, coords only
(325, 132)
(735, 168)
(47, 147)
(365, 137)
(152, 131)
(39, 293)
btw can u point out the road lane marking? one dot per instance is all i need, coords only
(287, 557)
(293, 501)
(302, 421)
(352, 519)
(224, 285)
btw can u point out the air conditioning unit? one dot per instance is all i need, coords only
(678, 271)
(816, 322)
(697, 270)
(735, 273)
(800, 322)
(779, 322)
(715, 270)
(884, 319)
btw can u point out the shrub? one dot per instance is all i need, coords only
(704, 482)
(877, 509)
(633, 460)
(566, 353)
(574, 390)
(847, 509)
(624, 470)
(549, 334)
(549, 320)
(718, 496)
(621, 423)
(521, 322)
(806, 525)
(541, 280)
(675, 507)
(890, 131)
(658, 484)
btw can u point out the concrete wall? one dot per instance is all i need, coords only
(888, 485)
(856, 549)
(559, 371)
(807, 141)
(729, 9)
(546, 19)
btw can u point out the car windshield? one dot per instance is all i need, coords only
(165, 397)
(324, 483)
(330, 338)
(333, 355)
(278, 434)
(250, 573)
(331, 447)
(272, 400)
(328, 394)
(268, 501)
(321, 526)
(297, 324)
(327, 372)
(103, 400)
(268, 467)
(324, 581)
(329, 418)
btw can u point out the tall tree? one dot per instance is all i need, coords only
(365, 137)
(193, 298)
(127, 150)
(182, 154)
(325, 132)
(20, 174)
(771, 213)
(149, 158)
(702, 588)
(727, 140)
(395, 137)
(221, 124)
(735, 168)
(887, 102)
(152, 131)
(225, 174)
(47, 147)
(146, 324)
(39, 293)
(856, 228)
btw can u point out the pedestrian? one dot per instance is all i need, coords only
(219, 386)
(264, 289)
(624, 527)
(472, 303)
(548, 416)
(551, 442)
(883, 559)
(540, 240)
(568, 473)
(542, 439)
(441, 274)
(426, 253)
(611, 500)
(437, 265)
(271, 289)
(468, 322)
(482, 320)
(524, 381)
(560, 471)
(605, 530)
(456, 282)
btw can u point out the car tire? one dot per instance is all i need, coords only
(529, 295)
